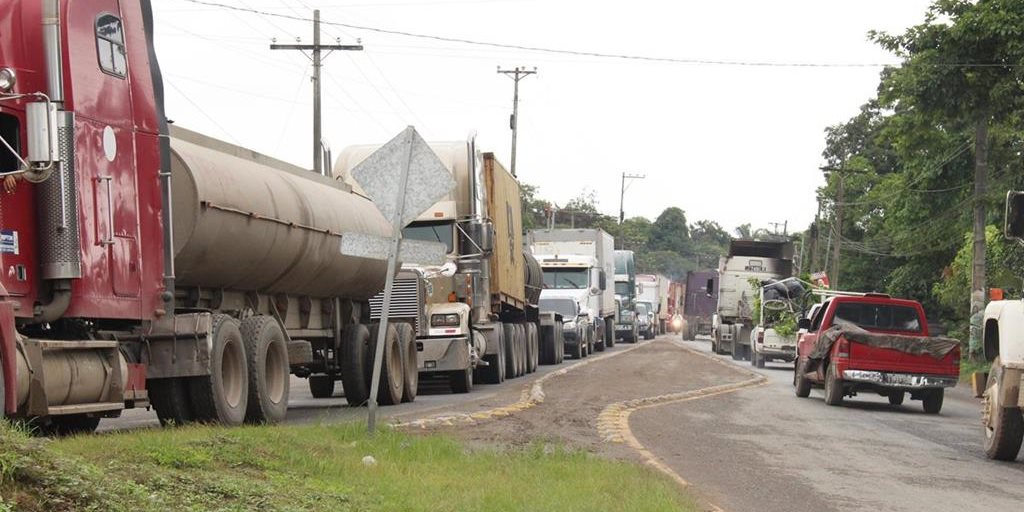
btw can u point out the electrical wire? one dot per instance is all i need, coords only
(580, 53)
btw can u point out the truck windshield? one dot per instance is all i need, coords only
(881, 317)
(641, 308)
(566, 278)
(622, 288)
(564, 307)
(442, 232)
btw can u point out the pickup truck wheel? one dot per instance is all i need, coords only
(1004, 426)
(321, 386)
(933, 401)
(801, 386)
(833, 387)
(896, 398)
(758, 360)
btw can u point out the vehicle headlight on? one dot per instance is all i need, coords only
(444, 320)
(7, 79)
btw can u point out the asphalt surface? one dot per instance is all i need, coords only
(764, 449)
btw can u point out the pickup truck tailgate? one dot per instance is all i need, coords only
(865, 357)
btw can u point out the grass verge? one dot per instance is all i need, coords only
(968, 368)
(316, 467)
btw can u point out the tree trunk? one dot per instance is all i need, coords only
(978, 260)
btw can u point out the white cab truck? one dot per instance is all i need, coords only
(1003, 343)
(625, 296)
(732, 325)
(579, 264)
(476, 318)
(652, 289)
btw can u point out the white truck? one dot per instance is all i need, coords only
(774, 336)
(652, 290)
(732, 325)
(1003, 343)
(578, 264)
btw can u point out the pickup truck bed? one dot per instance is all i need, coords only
(875, 344)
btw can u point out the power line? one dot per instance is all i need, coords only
(580, 53)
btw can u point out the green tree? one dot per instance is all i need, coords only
(670, 232)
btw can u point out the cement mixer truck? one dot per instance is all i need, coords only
(113, 295)
(476, 317)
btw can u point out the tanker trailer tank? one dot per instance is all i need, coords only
(257, 243)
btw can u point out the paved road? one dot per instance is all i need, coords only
(763, 449)
(432, 399)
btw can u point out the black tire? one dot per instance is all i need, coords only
(547, 349)
(609, 334)
(494, 372)
(410, 362)
(576, 351)
(833, 387)
(169, 397)
(70, 425)
(753, 359)
(932, 401)
(321, 386)
(533, 334)
(1003, 440)
(223, 396)
(511, 351)
(461, 381)
(523, 353)
(736, 353)
(389, 389)
(801, 386)
(896, 397)
(759, 360)
(559, 345)
(269, 374)
(355, 353)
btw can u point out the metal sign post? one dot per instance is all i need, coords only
(422, 180)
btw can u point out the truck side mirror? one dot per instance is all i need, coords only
(1014, 227)
(804, 323)
(710, 289)
(602, 281)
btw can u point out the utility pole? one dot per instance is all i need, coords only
(622, 195)
(838, 246)
(317, 56)
(516, 74)
(978, 250)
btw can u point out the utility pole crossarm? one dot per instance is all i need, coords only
(622, 193)
(316, 48)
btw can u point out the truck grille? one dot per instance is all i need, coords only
(405, 301)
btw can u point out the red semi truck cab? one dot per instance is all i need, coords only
(875, 343)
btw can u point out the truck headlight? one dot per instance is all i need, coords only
(444, 320)
(7, 79)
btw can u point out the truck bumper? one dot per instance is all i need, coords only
(444, 354)
(899, 380)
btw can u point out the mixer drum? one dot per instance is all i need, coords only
(243, 221)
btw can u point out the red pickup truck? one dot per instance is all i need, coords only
(878, 344)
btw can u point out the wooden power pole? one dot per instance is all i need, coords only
(978, 260)
(317, 56)
(516, 74)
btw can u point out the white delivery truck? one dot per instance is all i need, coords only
(579, 264)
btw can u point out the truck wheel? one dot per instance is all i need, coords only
(355, 352)
(494, 372)
(269, 373)
(559, 345)
(389, 390)
(801, 386)
(533, 335)
(169, 398)
(511, 351)
(70, 425)
(896, 398)
(932, 401)
(609, 334)
(410, 361)
(1004, 426)
(547, 346)
(758, 360)
(523, 351)
(833, 387)
(576, 351)
(461, 381)
(321, 386)
(599, 344)
(736, 354)
(223, 395)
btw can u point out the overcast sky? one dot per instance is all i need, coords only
(733, 144)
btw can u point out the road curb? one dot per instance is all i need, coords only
(613, 422)
(531, 396)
